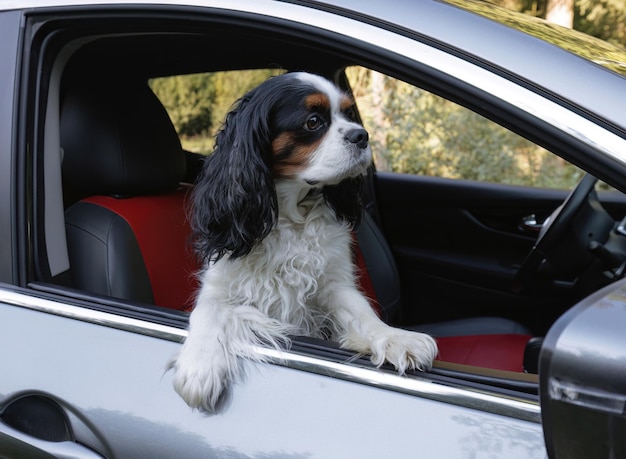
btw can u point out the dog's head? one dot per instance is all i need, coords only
(314, 135)
(294, 127)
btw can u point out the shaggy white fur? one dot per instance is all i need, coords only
(299, 280)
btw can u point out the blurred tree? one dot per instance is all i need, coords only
(189, 100)
(560, 12)
(198, 103)
(604, 19)
(230, 86)
(416, 132)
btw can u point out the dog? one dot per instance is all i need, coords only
(272, 214)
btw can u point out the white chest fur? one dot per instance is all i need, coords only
(285, 274)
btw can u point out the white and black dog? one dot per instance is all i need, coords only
(272, 216)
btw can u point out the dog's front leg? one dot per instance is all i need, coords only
(361, 330)
(205, 365)
(220, 333)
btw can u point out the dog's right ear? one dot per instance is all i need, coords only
(234, 199)
(345, 199)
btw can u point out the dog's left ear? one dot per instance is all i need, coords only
(234, 200)
(345, 199)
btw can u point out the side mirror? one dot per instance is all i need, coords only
(582, 377)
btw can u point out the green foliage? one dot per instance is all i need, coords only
(189, 100)
(428, 135)
(198, 103)
(230, 86)
(605, 19)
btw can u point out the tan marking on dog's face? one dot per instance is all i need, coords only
(293, 149)
(298, 158)
(318, 101)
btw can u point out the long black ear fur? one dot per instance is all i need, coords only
(234, 200)
(345, 199)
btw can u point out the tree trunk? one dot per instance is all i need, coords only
(378, 137)
(560, 12)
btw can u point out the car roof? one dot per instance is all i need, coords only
(519, 55)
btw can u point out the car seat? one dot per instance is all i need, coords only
(128, 235)
(124, 166)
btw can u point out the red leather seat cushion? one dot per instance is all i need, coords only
(501, 352)
(162, 232)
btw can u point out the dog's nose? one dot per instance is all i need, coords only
(358, 136)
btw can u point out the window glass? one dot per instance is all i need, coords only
(198, 103)
(413, 131)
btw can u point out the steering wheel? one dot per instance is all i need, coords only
(552, 229)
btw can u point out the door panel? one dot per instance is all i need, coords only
(459, 243)
(119, 400)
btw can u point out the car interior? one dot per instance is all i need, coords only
(436, 255)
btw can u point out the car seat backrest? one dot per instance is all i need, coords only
(378, 275)
(127, 234)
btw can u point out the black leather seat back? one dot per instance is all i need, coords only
(123, 164)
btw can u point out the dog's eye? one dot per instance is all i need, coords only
(314, 122)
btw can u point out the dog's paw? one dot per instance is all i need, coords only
(405, 350)
(201, 378)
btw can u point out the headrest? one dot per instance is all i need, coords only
(118, 140)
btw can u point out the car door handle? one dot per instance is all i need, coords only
(16, 444)
(36, 427)
(531, 224)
